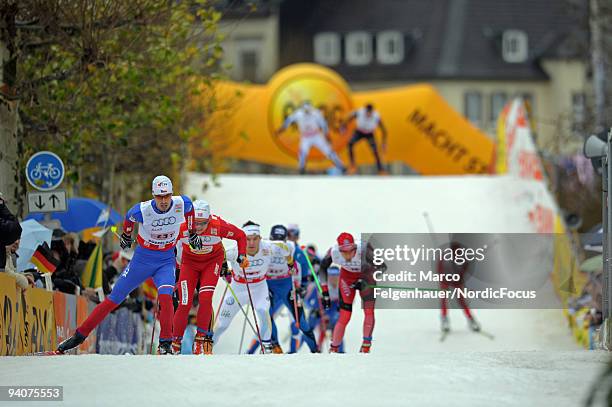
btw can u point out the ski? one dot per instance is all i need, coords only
(485, 334)
(46, 353)
(444, 335)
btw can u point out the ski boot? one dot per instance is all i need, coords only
(164, 348)
(203, 344)
(445, 325)
(365, 346)
(276, 348)
(268, 348)
(70, 343)
(474, 325)
(176, 346)
(334, 349)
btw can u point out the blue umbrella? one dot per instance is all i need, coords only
(33, 234)
(83, 213)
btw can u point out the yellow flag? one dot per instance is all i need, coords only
(92, 275)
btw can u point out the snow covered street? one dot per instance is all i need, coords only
(471, 378)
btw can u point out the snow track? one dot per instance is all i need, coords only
(532, 361)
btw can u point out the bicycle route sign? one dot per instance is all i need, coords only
(45, 171)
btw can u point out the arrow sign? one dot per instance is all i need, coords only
(43, 202)
(55, 199)
(40, 203)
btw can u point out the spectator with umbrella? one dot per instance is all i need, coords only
(81, 214)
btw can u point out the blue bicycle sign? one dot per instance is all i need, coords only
(45, 171)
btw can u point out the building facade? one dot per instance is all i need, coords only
(477, 53)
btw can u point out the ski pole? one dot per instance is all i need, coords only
(240, 305)
(246, 280)
(154, 322)
(295, 306)
(314, 275)
(216, 316)
(242, 336)
(432, 233)
(322, 324)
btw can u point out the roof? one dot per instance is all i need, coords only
(443, 38)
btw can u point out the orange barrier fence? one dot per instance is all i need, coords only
(35, 320)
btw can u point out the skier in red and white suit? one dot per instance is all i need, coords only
(347, 254)
(203, 265)
(449, 267)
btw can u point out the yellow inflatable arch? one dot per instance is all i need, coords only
(423, 130)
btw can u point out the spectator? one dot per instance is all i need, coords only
(10, 230)
(119, 262)
(10, 267)
(65, 277)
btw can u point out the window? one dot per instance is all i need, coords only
(248, 55)
(327, 48)
(578, 113)
(248, 62)
(358, 48)
(498, 101)
(473, 107)
(514, 46)
(390, 47)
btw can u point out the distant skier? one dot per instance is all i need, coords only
(368, 120)
(314, 132)
(325, 319)
(450, 267)
(306, 284)
(203, 265)
(160, 220)
(347, 254)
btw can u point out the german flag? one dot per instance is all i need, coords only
(149, 290)
(43, 259)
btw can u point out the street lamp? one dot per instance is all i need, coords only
(598, 151)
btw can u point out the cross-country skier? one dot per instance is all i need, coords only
(160, 220)
(283, 282)
(367, 120)
(347, 254)
(450, 267)
(203, 265)
(259, 255)
(307, 281)
(325, 319)
(313, 132)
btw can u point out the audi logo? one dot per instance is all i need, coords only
(256, 262)
(279, 260)
(170, 220)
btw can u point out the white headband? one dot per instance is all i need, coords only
(252, 230)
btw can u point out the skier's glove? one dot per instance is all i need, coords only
(225, 272)
(126, 241)
(301, 290)
(325, 300)
(359, 285)
(243, 261)
(194, 241)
